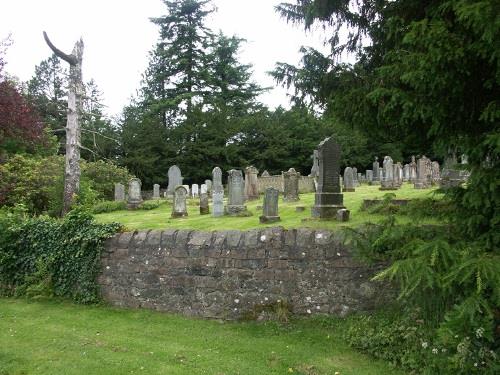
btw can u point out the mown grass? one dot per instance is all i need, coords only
(159, 218)
(60, 338)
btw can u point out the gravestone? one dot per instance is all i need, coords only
(315, 166)
(195, 190)
(348, 180)
(119, 192)
(236, 196)
(174, 179)
(387, 180)
(134, 193)
(217, 193)
(342, 215)
(424, 173)
(413, 170)
(265, 174)
(291, 185)
(270, 207)
(251, 183)
(406, 172)
(355, 176)
(208, 183)
(369, 176)
(204, 208)
(328, 198)
(179, 208)
(435, 173)
(187, 189)
(156, 191)
(451, 174)
(203, 189)
(398, 175)
(376, 170)
(360, 178)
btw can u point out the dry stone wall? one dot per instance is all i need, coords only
(227, 274)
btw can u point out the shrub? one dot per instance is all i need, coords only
(109, 206)
(104, 175)
(151, 204)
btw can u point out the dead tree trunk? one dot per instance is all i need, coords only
(73, 132)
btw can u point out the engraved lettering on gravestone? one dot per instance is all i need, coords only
(179, 208)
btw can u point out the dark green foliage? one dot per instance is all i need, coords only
(109, 206)
(52, 257)
(151, 204)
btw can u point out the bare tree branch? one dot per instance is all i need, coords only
(94, 132)
(70, 59)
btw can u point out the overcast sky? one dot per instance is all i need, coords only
(118, 36)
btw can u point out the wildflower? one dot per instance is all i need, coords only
(434, 351)
(443, 350)
(479, 332)
(475, 364)
(425, 345)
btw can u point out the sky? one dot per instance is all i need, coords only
(118, 36)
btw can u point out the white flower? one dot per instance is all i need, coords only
(475, 364)
(434, 351)
(479, 332)
(236, 301)
(425, 345)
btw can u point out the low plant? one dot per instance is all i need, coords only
(108, 206)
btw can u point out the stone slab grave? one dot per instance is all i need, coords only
(270, 206)
(179, 208)
(174, 179)
(251, 183)
(348, 180)
(328, 198)
(204, 207)
(424, 173)
(119, 192)
(291, 185)
(236, 196)
(208, 184)
(387, 181)
(195, 190)
(156, 191)
(134, 194)
(376, 170)
(217, 193)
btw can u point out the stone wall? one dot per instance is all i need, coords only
(306, 183)
(226, 274)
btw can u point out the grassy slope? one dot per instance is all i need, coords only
(60, 338)
(160, 218)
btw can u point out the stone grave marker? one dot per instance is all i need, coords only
(270, 207)
(236, 196)
(179, 208)
(265, 174)
(195, 190)
(119, 192)
(203, 189)
(369, 176)
(251, 183)
(376, 170)
(387, 180)
(134, 193)
(424, 173)
(217, 193)
(209, 186)
(413, 170)
(174, 179)
(406, 173)
(348, 180)
(328, 198)
(436, 175)
(291, 185)
(204, 208)
(156, 191)
(187, 189)
(355, 176)
(315, 166)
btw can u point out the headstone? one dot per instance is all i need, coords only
(328, 198)
(348, 180)
(251, 183)
(369, 176)
(236, 197)
(360, 178)
(355, 176)
(315, 166)
(424, 173)
(134, 193)
(119, 192)
(376, 170)
(174, 179)
(156, 191)
(406, 172)
(203, 189)
(435, 173)
(413, 170)
(217, 193)
(342, 215)
(204, 208)
(398, 175)
(451, 175)
(187, 189)
(291, 185)
(270, 209)
(209, 186)
(387, 182)
(195, 190)
(179, 208)
(265, 174)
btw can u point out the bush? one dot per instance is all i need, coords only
(45, 256)
(109, 206)
(104, 175)
(151, 204)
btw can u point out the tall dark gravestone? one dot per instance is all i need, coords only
(328, 198)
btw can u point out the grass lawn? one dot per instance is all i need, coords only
(159, 218)
(61, 338)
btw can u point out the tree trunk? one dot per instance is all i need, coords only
(73, 132)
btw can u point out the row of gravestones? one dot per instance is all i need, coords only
(328, 198)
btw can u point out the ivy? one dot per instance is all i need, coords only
(46, 256)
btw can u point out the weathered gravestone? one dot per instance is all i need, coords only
(204, 208)
(236, 196)
(355, 176)
(208, 183)
(406, 172)
(424, 173)
(387, 182)
(134, 193)
(348, 180)
(251, 183)
(376, 170)
(315, 166)
(217, 193)
(265, 174)
(203, 189)
(179, 208)
(398, 174)
(195, 191)
(413, 170)
(328, 198)
(369, 176)
(156, 191)
(291, 185)
(174, 179)
(270, 207)
(435, 171)
(360, 178)
(451, 176)
(187, 189)
(119, 192)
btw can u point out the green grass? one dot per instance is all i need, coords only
(61, 338)
(160, 218)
